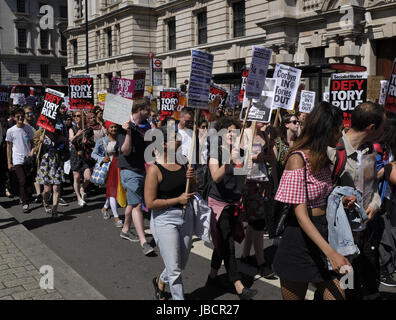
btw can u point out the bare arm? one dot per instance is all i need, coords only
(217, 172)
(9, 154)
(126, 147)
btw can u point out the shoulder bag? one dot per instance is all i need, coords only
(101, 170)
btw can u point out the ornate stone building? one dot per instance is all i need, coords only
(300, 32)
(30, 53)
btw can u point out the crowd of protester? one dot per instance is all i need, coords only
(309, 162)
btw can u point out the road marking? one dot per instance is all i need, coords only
(203, 251)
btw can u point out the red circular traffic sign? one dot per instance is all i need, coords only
(157, 63)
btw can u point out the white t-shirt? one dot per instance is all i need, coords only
(20, 138)
(186, 141)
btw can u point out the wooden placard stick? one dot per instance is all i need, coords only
(277, 117)
(245, 120)
(193, 146)
(39, 150)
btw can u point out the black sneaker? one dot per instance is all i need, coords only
(62, 202)
(131, 236)
(38, 198)
(265, 271)
(147, 249)
(247, 294)
(387, 280)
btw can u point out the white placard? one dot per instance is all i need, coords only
(307, 101)
(200, 79)
(326, 96)
(383, 90)
(117, 109)
(261, 109)
(258, 72)
(288, 79)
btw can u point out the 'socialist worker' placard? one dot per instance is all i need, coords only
(258, 72)
(52, 101)
(81, 91)
(216, 90)
(288, 79)
(390, 100)
(169, 99)
(347, 91)
(200, 78)
(307, 101)
(261, 109)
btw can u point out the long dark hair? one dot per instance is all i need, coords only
(320, 128)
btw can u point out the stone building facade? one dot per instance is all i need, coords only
(30, 53)
(300, 32)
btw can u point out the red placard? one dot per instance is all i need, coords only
(390, 100)
(245, 73)
(169, 99)
(52, 101)
(81, 92)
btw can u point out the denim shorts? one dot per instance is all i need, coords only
(133, 183)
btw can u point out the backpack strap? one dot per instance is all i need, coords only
(340, 160)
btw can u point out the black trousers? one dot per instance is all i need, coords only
(225, 226)
(24, 184)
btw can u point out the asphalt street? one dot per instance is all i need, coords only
(117, 268)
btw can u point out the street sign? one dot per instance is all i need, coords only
(157, 72)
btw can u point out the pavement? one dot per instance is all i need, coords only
(90, 261)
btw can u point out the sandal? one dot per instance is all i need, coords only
(47, 208)
(159, 294)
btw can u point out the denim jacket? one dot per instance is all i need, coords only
(99, 152)
(341, 223)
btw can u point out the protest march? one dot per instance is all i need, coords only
(271, 159)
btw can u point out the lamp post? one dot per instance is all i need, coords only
(86, 36)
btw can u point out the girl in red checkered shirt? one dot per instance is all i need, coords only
(301, 256)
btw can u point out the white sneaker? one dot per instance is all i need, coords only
(119, 223)
(82, 203)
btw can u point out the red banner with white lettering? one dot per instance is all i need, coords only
(52, 101)
(390, 100)
(81, 92)
(169, 100)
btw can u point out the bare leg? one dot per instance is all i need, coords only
(128, 219)
(76, 184)
(55, 197)
(87, 176)
(138, 221)
(46, 193)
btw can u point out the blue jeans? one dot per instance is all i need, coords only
(173, 235)
(133, 183)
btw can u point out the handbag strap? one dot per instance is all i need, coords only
(305, 177)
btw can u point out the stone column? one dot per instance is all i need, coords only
(350, 50)
(333, 51)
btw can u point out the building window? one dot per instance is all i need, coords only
(202, 28)
(63, 12)
(316, 56)
(21, 6)
(238, 11)
(22, 40)
(75, 53)
(172, 78)
(64, 72)
(109, 43)
(237, 66)
(44, 41)
(78, 9)
(22, 70)
(63, 44)
(44, 71)
(172, 34)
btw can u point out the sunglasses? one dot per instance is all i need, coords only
(77, 116)
(19, 117)
(204, 127)
(294, 122)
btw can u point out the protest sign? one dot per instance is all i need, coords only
(117, 109)
(102, 98)
(326, 96)
(286, 86)
(66, 101)
(81, 91)
(383, 90)
(374, 87)
(245, 73)
(4, 98)
(200, 78)
(390, 99)
(140, 78)
(307, 101)
(52, 101)
(216, 90)
(347, 91)
(180, 105)
(232, 98)
(169, 99)
(258, 71)
(157, 72)
(123, 87)
(261, 109)
(18, 98)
